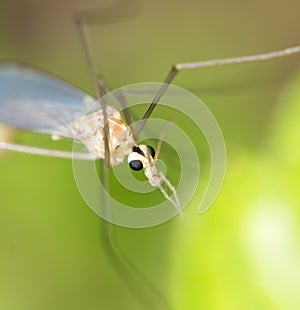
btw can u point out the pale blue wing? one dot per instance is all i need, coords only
(33, 100)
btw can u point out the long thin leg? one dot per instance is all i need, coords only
(144, 290)
(115, 11)
(87, 53)
(211, 63)
(45, 152)
(98, 85)
(160, 141)
(122, 100)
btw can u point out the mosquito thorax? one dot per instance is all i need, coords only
(89, 131)
(141, 157)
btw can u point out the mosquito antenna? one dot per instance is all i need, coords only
(175, 202)
(211, 63)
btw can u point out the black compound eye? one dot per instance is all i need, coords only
(151, 150)
(136, 165)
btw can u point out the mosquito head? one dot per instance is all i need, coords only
(143, 157)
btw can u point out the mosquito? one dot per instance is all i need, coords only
(33, 100)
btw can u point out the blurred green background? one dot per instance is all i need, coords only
(244, 253)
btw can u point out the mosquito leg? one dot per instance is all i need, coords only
(147, 294)
(160, 141)
(99, 88)
(212, 63)
(122, 100)
(104, 88)
(45, 152)
(80, 24)
(99, 84)
(116, 11)
(171, 76)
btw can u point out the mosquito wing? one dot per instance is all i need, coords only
(36, 101)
